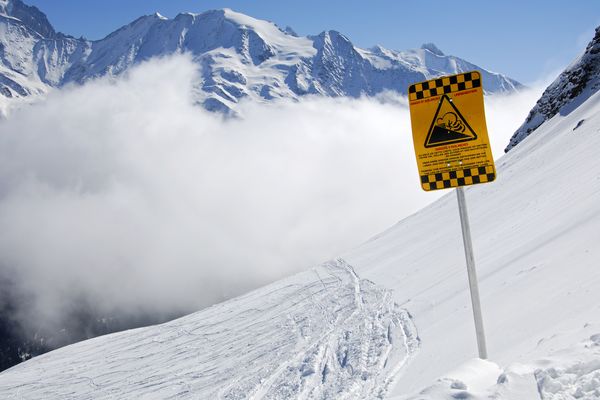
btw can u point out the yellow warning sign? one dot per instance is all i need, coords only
(449, 132)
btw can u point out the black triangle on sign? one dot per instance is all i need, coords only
(448, 125)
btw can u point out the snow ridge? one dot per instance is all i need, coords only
(572, 88)
(324, 333)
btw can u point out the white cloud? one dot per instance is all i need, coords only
(506, 113)
(123, 193)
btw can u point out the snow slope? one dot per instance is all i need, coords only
(324, 333)
(535, 233)
(238, 57)
(348, 329)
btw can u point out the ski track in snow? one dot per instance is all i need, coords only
(321, 334)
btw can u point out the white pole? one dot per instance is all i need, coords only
(466, 233)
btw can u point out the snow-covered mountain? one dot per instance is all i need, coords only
(237, 56)
(572, 87)
(393, 316)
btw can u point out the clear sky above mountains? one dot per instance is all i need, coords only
(527, 40)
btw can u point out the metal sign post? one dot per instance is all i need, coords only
(473, 286)
(453, 150)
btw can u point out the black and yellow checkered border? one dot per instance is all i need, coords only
(463, 177)
(444, 85)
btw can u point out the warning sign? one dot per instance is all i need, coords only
(448, 125)
(450, 133)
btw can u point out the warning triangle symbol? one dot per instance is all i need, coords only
(448, 126)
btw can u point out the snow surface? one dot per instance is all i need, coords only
(324, 334)
(568, 374)
(535, 233)
(348, 329)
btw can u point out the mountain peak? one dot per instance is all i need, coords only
(6, 7)
(331, 37)
(333, 34)
(290, 31)
(432, 48)
(230, 15)
(28, 15)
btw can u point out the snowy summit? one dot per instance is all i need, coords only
(239, 57)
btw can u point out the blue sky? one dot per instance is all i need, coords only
(527, 40)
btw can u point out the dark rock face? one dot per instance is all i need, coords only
(572, 87)
(32, 17)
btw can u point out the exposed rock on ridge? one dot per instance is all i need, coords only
(572, 87)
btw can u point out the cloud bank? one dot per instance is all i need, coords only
(124, 194)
